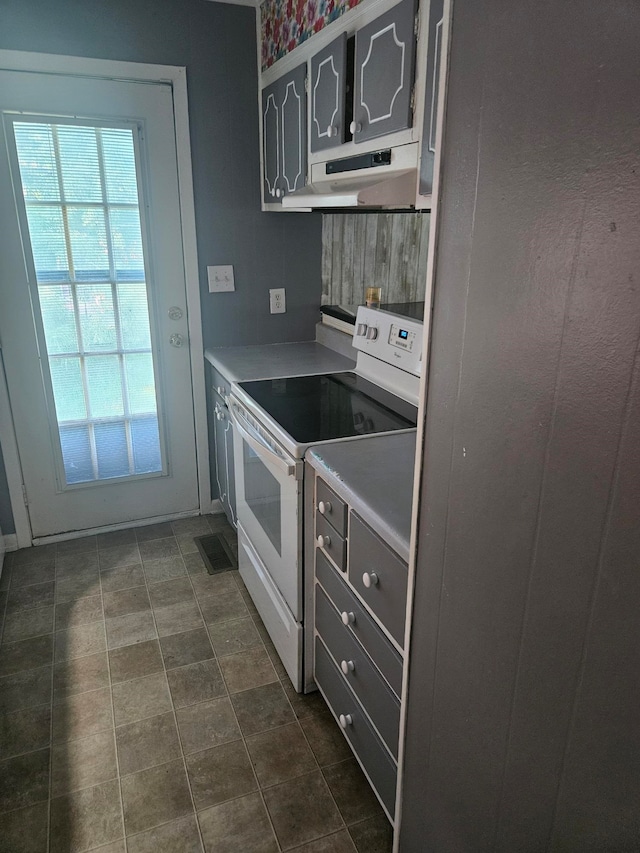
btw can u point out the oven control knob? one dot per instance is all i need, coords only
(372, 333)
(362, 329)
(345, 720)
(323, 541)
(348, 618)
(347, 666)
(324, 507)
(370, 579)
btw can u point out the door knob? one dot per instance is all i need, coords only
(370, 579)
(332, 131)
(347, 666)
(176, 340)
(345, 720)
(355, 127)
(324, 507)
(348, 618)
(324, 541)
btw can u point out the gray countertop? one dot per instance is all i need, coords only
(374, 475)
(274, 361)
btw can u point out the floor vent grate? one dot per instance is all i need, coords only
(216, 553)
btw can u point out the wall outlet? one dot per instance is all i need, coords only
(221, 278)
(277, 302)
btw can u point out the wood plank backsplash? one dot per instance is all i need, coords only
(364, 249)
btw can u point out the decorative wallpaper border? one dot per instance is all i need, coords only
(287, 23)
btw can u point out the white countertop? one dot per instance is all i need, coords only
(374, 475)
(274, 361)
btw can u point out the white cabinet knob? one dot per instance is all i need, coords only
(332, 131)
(355, 127)
(347, 666)
(345, 720)
(324, 507)
(220, 390)
(278, 192)
(218, 415)
(348, 618)
(323, 541)
(370, 579)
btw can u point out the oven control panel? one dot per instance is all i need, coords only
(389, 337)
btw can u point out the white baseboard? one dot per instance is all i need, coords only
(10, 542)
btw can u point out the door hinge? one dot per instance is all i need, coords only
(416, 25)
(25, 497)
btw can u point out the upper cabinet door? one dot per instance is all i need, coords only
(434, 61)
(328, 95)
(385, 61)
(271, 141)
(293, 129)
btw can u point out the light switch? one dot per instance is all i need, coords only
(221, 278)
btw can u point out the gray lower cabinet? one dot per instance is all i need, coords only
(284, 127)
(223, 447)
(384, 73)
(434, 63)
(357, 655)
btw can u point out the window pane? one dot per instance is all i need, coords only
(97, 317)
(68, 390)
(141, 389)
(134, 316)
(58, 316)
(127, 245)
(76, 454)
(47, 243)
(88, 238)
(111, 450)
(36, 158)
(105, 386)
(119, 166)
(79, 163)
(146, 445)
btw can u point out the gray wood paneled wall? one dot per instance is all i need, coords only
(523, 731)
(360, 250)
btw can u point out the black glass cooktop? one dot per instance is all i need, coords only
(330, 406)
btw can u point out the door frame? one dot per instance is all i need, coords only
(176, 77)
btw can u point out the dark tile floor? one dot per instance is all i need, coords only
(144, 708)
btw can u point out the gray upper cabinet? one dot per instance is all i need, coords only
(284, 123)
(384, 72)
(434, 56)
(327, 95)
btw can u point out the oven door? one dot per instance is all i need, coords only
(269, 504)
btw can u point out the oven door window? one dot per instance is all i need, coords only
(263, 495)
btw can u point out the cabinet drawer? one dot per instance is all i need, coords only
(221, 385)
(375, 759)
(371, 560)
(376, 644)
(335, 509)
(361, 675)
(334, 544)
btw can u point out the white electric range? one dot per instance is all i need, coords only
(274, 422)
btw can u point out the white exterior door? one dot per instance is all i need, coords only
(93, 315)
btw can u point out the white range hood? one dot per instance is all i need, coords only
(392, 185)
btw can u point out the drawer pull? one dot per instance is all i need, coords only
(345, 720)
(370, 579)
(324, 507)
(324, 541)
(348, 618)
(347, 666)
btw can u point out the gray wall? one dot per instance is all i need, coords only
(523, 684)
(216, 42)
(360, 250)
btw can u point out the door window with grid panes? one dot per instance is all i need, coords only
(82, 201)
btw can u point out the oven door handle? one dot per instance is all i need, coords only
(259, 445)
